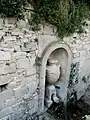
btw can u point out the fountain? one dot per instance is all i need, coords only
(54, 75)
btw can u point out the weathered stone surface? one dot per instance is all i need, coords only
(19, 92)
(18, 55)
(23, 63)
(10, 102)
(9, 38)
(5, 79)
(2, 106)
(5, 95)
(5, 56)
(2, 33)
(5, 69)
(32, 86)
(18, 51)
(30, 71)
(5, 112)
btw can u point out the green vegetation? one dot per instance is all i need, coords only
(12, 7)
(65, 15)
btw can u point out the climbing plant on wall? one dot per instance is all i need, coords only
(65, 15)
(11, 7)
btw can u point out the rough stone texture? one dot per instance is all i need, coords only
(80, 65)
(18, 77)
(19, 83)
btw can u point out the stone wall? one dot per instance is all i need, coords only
(80, 67)
(80, 47)
(19, 82)
(18, 79)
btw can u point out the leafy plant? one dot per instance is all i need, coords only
(65, 15)
(12, 7)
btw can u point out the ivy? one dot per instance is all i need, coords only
(12, 8)
(65, 15)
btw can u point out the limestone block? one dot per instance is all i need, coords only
(28, 79)
(32, 86)
(25, 30)
(25, 40)
(10, 26)
(2, 106)
(32, 61)
(15, 33)
(11, 44)
(10, 117)
(29, 46)
(2, 62)
(1, 22)
(10, 102)
(2, 33)
(5, 56)
(28, 35)
(27, 97)
(9, 38)
(5, 112)
(5, 69)
(5, 95)
(18, 55)
(18, 114)
(16, 48)
(48, 29)
(18, 111)
(33, 105)
(80, 93)
(12, 85)
(23, 63)
(10, 20)
(21, 24)
(30, 71)
(5, 79)
(6, 118)
(19, 92)
(32, 55)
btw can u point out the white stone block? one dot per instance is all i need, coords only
(2, 33)
(49, 29)
(19, 92)
(5, 112)
(9, 38)
(2, 106)
(10, 101)
(32, 86)
(1, 22)
(30, 71)
(19, 55)
(5, 79)
(5, 56)
(23, 63)
(29, 46)
(33, 105)
(5, 69)
(5, 95)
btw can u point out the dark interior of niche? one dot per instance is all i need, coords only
(3, 87)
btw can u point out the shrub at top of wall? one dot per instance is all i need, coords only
(12, 8)
(65, 15)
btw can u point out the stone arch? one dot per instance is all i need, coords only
(44, 57)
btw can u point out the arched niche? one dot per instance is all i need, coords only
(62, 53)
